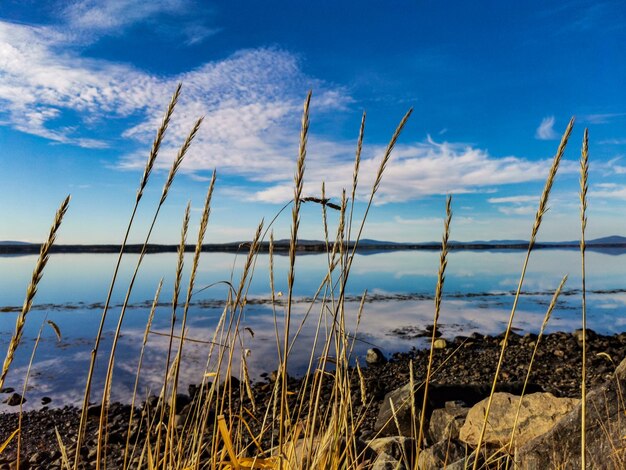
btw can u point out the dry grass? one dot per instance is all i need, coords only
(443, 262)
(543, 208)
(305, 428)
(584, 176)
(31, 290)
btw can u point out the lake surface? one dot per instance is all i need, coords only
(478, 295)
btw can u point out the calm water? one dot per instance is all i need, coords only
(400, 285)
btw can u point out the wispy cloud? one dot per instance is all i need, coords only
(49, 91)
(90, 19)
(613, 142)
(545, 131)
(518, 210)
(600, 118)
(417, 170)
(608, 191)
(512, 199)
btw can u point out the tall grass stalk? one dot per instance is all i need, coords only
(543, 208)
(584, 175)
(546, 319)
(443, 262)
(156, 145)
(24, 388)
(155, 302)
(31, 290)
(295, 224)
(204, 221)
(177, 282)
(109, 374)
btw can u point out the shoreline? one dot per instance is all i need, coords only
(464, 363)
(282, 247)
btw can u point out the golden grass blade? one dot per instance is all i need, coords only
(24, 388)
(31, 290)
(139, 365)
(443, 262)
(179, 159)
(543, 207)
(179, 272)
(55, 327)
(109, 374)
(94, 352)
(295, 223)
(546, 319)
(584, 185)
(64, 460)
(228, 443)
(158, 139)
(355, 173)
(192, 278)
(8, 440)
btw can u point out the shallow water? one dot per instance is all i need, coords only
(400, 285)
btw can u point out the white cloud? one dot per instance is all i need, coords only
(613, 142)
(607, 191)
(245, 98)
(252, 103)
(91, 19)
(545, 131)
(517, 210)
(600, 118)
(512, 199)
(90, 15)
(416, 170)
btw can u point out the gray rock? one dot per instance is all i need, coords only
(387, 462)
(445, 423)
(440, 454)
(374, 356)
(397, 447)
(385, 422)
(538, 414)
(14, 399)
(181, 401)
(464, 463)
(605, 428)
(438, 395)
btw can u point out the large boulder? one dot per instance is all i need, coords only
(446, 422)
(440, 455)
(538, 414)
(438, 395)
(398, 447)
(605, 432)
(395, 416)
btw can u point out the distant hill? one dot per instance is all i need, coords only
(615, 244)
(611, 240)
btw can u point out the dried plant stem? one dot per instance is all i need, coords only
(204, 222)
(295, 224)
(584, 176)
(109, 374)
(376, 186)
(31, 290)
(355, 174)
(155, 302)
(177, 281)
(24, 388)
(546, 319)
(543, 208)
(443, 262)
(156, 145)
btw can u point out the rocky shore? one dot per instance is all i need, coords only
(464, 371)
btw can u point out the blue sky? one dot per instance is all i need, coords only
(83, 86)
